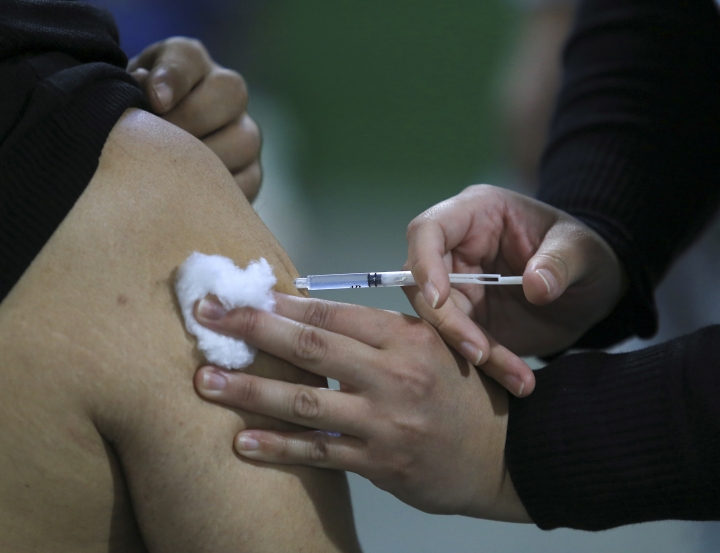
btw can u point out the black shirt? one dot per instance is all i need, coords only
(634, 152)
(63, 86)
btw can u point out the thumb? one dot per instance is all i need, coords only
(560, 261)
(140, 75)
(174, 67)
(153, 76)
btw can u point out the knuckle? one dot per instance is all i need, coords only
(412, 432)
(188, 45)
(425, 333)
(255, 145)
(235, 80)
(196, 44)
(247, 322)
(246, 391)
(250, 134)
(176, 74)
(255, 174)
(152, 50)
(416, 381)
(443, 324)
(232, 82)
(430, 218)
(401, 466)
(250, 128)
(422, 384)
(283, 448)
(250, 180)
(319, 446)
(319, 313)
(306, 405)
(477, 188)
(415, 225)
(310, 344)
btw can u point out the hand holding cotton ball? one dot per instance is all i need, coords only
(201, 275)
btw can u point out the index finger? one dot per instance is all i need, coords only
(314, 349)
(429, 238)
(175, 66)
(370, 326)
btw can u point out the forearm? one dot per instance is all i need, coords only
(608, 440)
(634, 148)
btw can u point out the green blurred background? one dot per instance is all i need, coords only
(400, 95)
(383, 110)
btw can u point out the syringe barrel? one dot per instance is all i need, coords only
(355, 280)
(336, 282)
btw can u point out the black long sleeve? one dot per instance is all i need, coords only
(63, 86)
(634, 152)
(606, 440)
(634, 146)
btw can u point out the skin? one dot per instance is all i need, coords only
(571, 278)
(188, 89)
(413, 417)
(101, 449)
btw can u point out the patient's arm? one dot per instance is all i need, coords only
(104, 284)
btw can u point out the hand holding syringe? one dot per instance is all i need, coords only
(393, 278)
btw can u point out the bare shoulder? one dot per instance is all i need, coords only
(173, 184)
(102, 289)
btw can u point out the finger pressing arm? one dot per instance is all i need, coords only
(410, 415)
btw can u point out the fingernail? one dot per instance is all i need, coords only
(210, 310)
(246, 443)
(431, 294)
(213, 380)
(140, 74)
(471, 352)
(513, 384)
(549, 279)
(163, 93)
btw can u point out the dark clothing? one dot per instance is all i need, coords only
(63, 86)
(634, 153)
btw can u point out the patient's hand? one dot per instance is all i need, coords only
(187, 88)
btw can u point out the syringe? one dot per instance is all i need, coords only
(394, 278)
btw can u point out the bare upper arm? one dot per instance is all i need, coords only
(105, 282)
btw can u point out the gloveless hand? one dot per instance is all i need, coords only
(411, 415)
(187, 88)
(571, 278)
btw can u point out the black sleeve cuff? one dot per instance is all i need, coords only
(607, 440)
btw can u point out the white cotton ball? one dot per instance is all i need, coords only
(201, 275)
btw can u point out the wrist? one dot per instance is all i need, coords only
(494, 496)
(630, 308)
